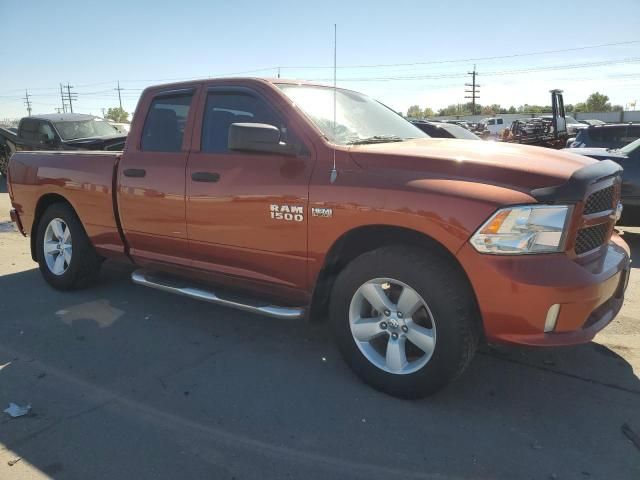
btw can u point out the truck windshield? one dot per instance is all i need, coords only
(84, 129)
(359, 119)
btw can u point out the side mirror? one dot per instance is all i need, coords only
(258, 137)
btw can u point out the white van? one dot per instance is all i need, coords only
(495, 125)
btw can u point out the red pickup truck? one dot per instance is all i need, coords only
(249, 193)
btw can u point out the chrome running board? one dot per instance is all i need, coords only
(182, 287)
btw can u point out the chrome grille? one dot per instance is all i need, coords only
(590, 238)
(600, 201)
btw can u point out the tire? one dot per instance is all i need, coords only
(80, 263)
(4, 159)
(448, 314)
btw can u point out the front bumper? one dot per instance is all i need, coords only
(514, 294)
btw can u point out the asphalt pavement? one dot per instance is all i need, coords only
(128, 382)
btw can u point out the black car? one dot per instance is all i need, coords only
(66, 131)
(444, 130)
(628, 157)
(606, 136)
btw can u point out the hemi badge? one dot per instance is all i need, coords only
(321, 212)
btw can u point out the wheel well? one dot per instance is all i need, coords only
(361, 240)
(43, 203)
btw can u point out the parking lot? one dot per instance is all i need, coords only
(127, 382)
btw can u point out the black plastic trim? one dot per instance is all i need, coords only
(574, 189)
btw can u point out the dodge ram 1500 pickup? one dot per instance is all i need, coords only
(250, 194)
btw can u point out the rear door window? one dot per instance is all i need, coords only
(499, 121)
(164, 127)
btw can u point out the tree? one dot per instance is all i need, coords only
(414, 112)
(117, 114)
(427, 113)
(598, 103)
(580, 107)
(617, 108)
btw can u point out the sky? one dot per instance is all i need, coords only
(401, 53)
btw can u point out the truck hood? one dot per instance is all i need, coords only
(98, 143)
(509, 165)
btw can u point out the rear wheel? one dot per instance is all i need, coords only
(66, 257)
(405, 320)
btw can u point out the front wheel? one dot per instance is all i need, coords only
(66, 257)
(405, 320)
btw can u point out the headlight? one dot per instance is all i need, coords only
(522, 230)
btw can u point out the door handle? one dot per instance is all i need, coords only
(205, 177)
(135, 172)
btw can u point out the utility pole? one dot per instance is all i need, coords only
(119, 97)
(27, 102)
(474, 89)
(64, 105)
(69, 97)
(278, 72)
(102, 112)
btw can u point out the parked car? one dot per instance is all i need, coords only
(414, 248)
(444, 130)
(460, 123)
(628, 157)
(495, 126)
(614, 135)
(66, 131)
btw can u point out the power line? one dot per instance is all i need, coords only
(431, 62)
(476, 59)
(488, 74)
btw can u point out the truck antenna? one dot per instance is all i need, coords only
(334, 172)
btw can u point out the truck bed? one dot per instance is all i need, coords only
(84, 178)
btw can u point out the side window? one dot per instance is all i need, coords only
(597, 134)
(491, 122)
(499, 121)
(45, 129)
(630, 134)
(223, 109)
(29, 129)
(164, 127)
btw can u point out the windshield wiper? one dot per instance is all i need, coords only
(376, 139)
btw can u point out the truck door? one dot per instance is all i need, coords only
(247, 211)
(151, 176)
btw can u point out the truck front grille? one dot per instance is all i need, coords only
(600, 201)
(590, 238)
